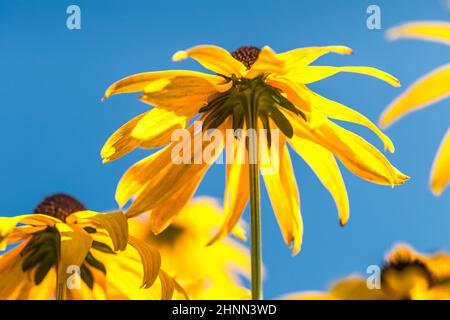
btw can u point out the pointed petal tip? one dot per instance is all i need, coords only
(180, 55)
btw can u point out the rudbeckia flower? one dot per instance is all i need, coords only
(63, 251)
(426, 91)
(251, 89)
(204, 272)
(405, 275)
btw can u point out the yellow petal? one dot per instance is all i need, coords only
(9, 224)
(156, 123)
(169, 285)
(283, 192)
(115, 224)
(213, 58)
(121, 142)
(440, 174)
(236, 190)
(305, 56)
(425, 30)
(359, 156)
(75, 244)
(431, 88)
(335, 110)
(183, 95)
(267, 62)
(311, 74)
(324, 165)
(150, 258)
(293, 91)
(138, 82)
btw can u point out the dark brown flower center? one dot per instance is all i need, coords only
(59, 206)
(247, 55)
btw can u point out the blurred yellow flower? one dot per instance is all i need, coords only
(406, 274)
(205, 272)
(252, 89)
(64, 251)
(430, 89)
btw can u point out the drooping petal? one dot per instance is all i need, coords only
(213, 58)
(425, 30)
(121, 142)
(311, 74)
(267, 62)
(75, 244)
(236, 190)
(293, 91)
(169, 286)
(359, 156)
(324, 165)
(8, 225)
(183, 95)
(440, 173)
(156, 123)
(429, 89)
(140, 81)
(283, 192)
(305, 56)
(115, 224)
(150, 258)
(335, 110)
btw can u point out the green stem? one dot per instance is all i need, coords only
(60, 285)
(255, 212)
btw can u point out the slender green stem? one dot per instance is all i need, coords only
(255, 212)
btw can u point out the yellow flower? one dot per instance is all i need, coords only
(205, 272)
(406, 274)
(248, 81)
(66, 251)
(431, 88)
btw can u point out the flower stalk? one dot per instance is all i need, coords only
(255, 212)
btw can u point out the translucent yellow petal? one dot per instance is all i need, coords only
(183, 95)
(115, 224)
(359, 156)
(267, 62)
(75, 244)
(9, 224)
(138, 82)
(293, 91)
(236, 190)
(156, 123)
(150, 258)
(440, 174)
(431, 88)
(305, 56)
(213, 58)
(311, 74)
(425, 30)
(121, 142)
(335, 110)
(324, 165)
(283, 192)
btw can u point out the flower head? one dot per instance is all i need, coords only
(406, 274)
(64, 249)
(205, 272)
(426, 91)
(252, 88)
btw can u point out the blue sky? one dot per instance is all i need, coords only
(53, 124)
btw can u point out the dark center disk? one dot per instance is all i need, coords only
(59, 206)
(247, 55)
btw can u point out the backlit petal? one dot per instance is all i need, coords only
(431, 88)
(424, 30)
(324, 165)
(305, 56)
(150, 258)
(267, 62)
(440, 174)
(213, 58)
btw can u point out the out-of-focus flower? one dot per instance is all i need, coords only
(205, 272)
(64, 251)
(428, 90)
(252, 89)
(406, 274)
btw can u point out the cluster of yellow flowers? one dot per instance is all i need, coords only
(165, 245)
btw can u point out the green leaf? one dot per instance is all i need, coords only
(100, 246)
(90, 259)
(86, 276)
